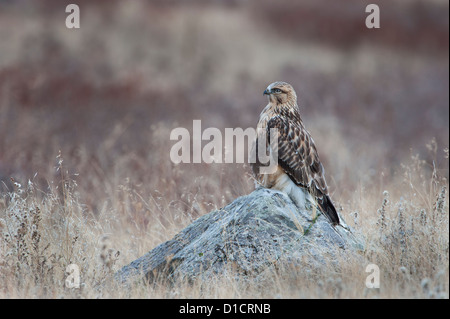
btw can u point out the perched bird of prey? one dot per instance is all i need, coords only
(298, 160)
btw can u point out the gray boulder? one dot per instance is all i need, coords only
(251, 235)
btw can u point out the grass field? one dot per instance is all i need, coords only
(86, 115)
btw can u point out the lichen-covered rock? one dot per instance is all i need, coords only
(251, 234)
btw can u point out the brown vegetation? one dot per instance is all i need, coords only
(85, 118)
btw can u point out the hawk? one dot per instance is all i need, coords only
(298, 165)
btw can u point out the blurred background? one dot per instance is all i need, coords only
(108, 94)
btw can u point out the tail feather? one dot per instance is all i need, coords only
(327, 207)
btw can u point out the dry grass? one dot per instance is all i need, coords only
(44, 232)
(85, 118)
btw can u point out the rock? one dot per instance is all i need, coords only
(250, 235)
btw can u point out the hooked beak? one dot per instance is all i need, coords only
(267, 92)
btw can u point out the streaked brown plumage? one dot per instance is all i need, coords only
(298, 159)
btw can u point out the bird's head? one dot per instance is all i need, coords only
(281, 93)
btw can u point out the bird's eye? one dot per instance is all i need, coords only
(277, 91)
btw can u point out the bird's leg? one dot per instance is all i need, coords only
(314, 214)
